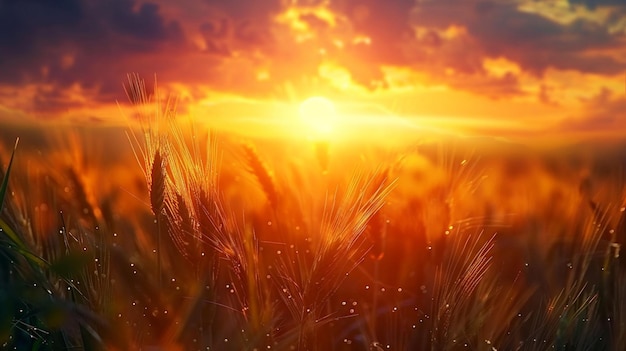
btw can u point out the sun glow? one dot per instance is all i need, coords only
(319, 114)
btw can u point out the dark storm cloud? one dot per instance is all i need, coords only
(593, 4)
(143, 24)
(533, 41)
(538, 43)
(385, 22)
(246, 9)
(216, 35)
(391, 27)
(22, 22)
(238, 23)
(494, 29)
(65, 42)
(28, 25)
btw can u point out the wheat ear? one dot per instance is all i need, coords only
(157, 200)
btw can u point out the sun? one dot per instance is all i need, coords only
(319, 114)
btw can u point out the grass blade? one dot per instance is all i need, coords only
(5, 181)
(20, 246)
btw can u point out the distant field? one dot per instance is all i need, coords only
(228, 241)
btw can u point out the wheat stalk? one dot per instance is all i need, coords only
(339, 247)
(258, 168)
(157, 184)
(153, 153)
(456, 282)
(157, 203)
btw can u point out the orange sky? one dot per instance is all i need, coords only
(502, 67)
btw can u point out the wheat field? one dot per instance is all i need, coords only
(167, 235)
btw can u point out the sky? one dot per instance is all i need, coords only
(504, 66)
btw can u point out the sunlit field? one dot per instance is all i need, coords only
(314, 229)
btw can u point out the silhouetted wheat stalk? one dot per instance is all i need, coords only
(338, 247)
(157, 202)
(252, 289)
(85, 199)
(606, 233)
(194, 180)
(154, 154)
(456, 283)
(181, 172)
(262, 174)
